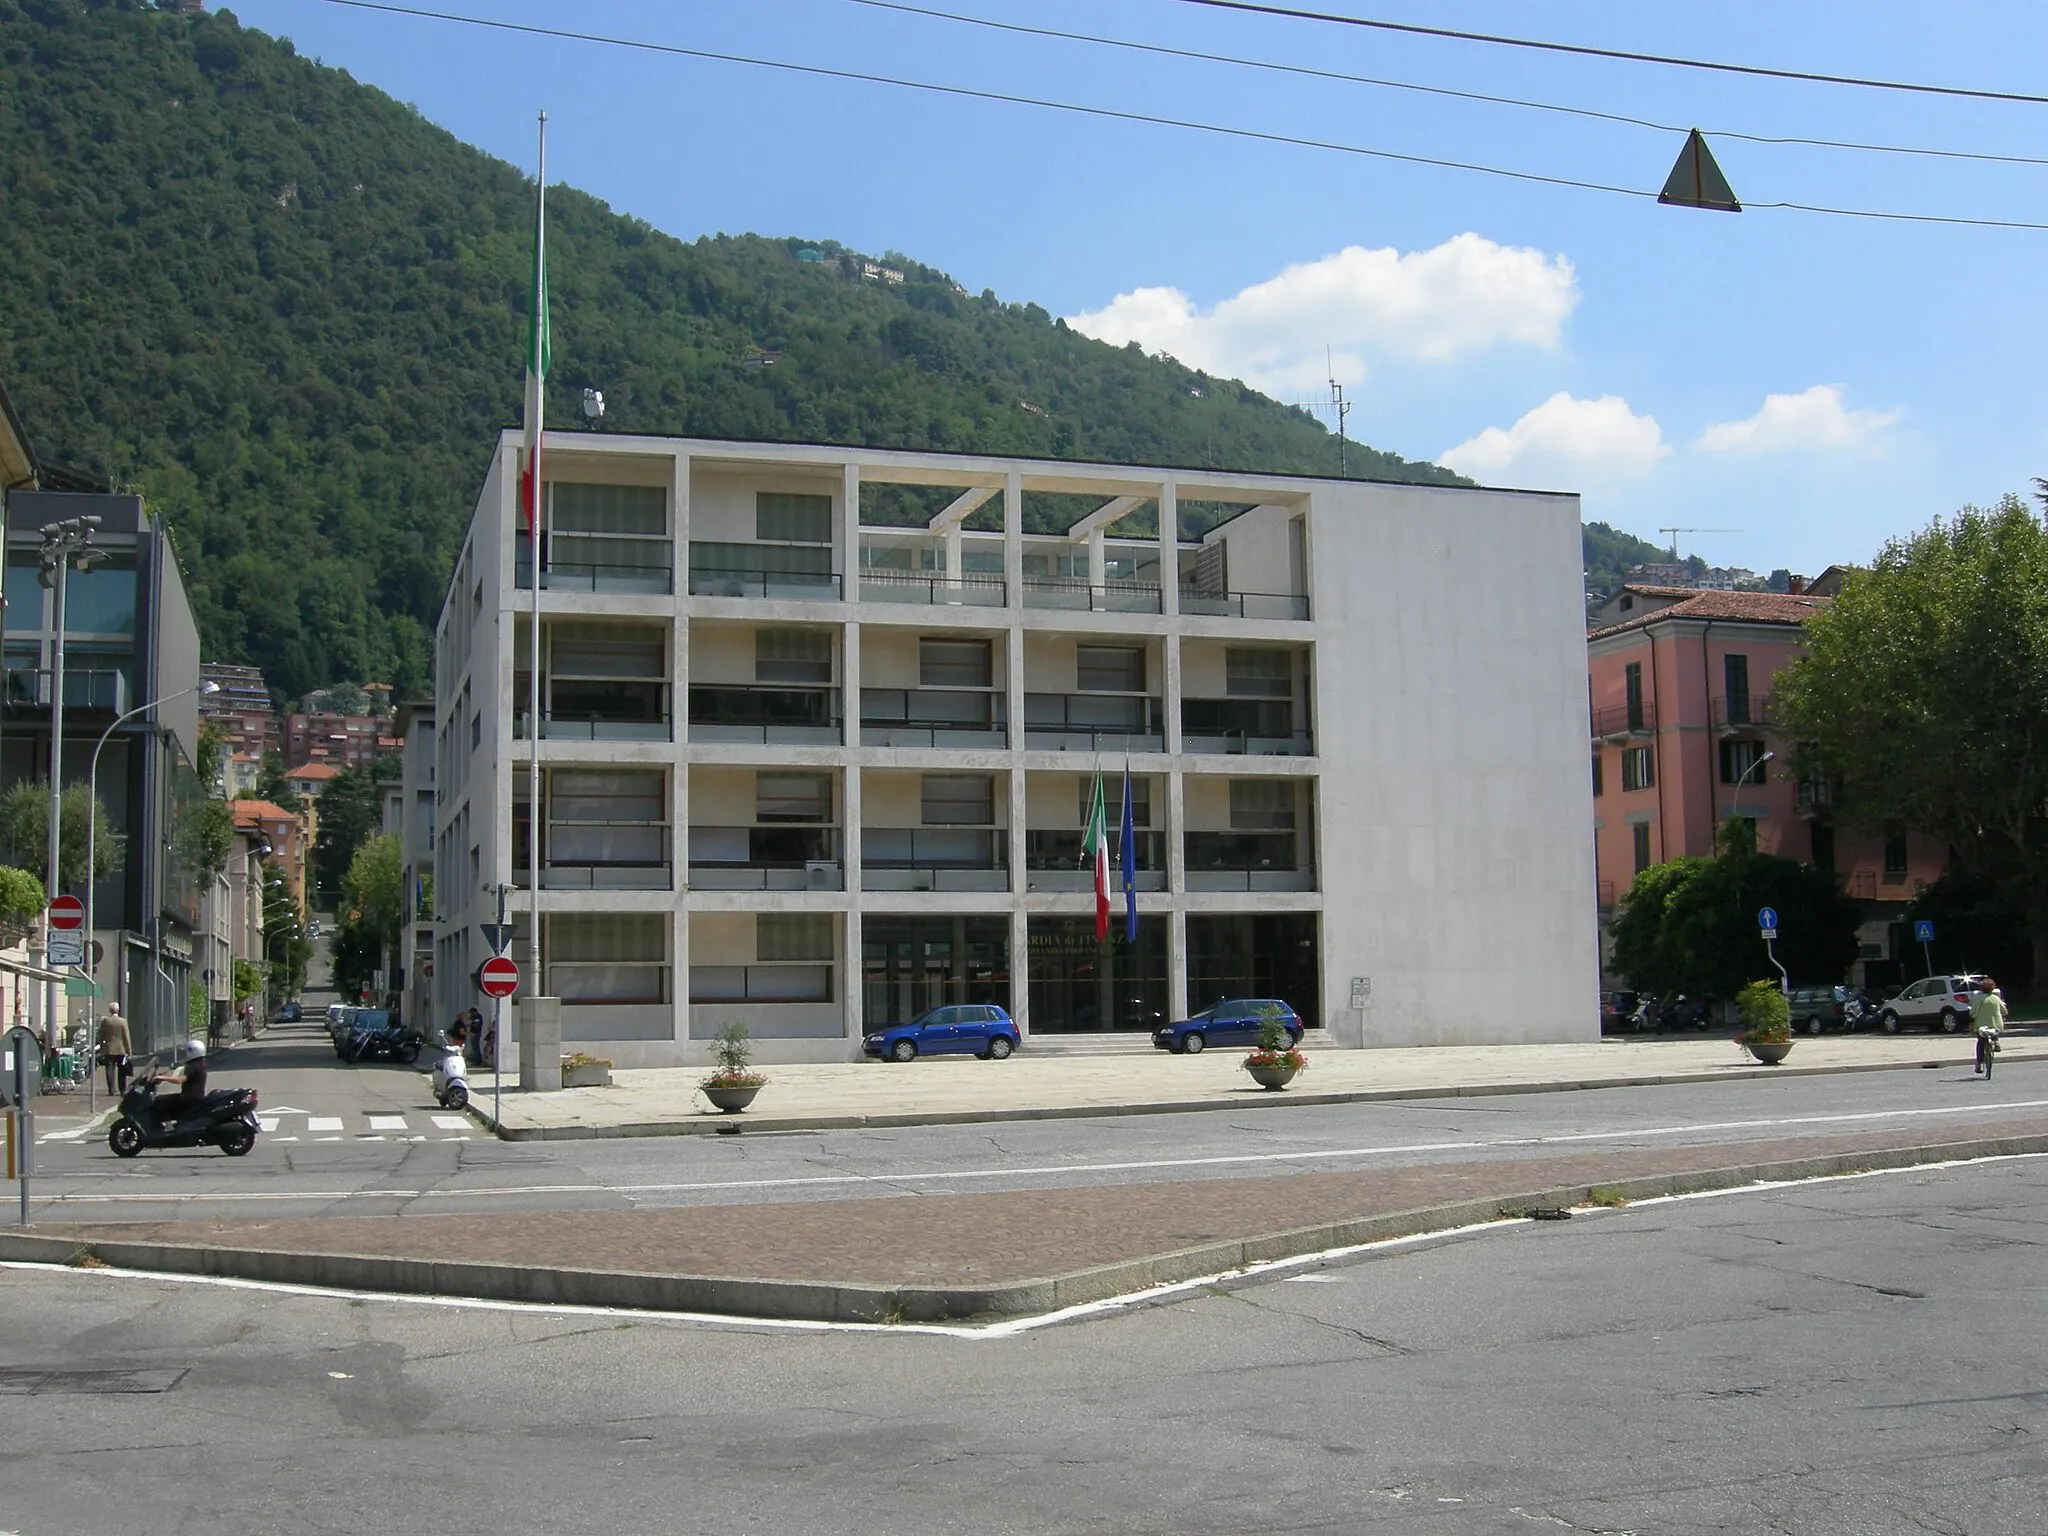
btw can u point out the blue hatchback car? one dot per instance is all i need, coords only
(1234, 1022)
(962, 1029)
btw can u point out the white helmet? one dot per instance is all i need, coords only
(191, 1050)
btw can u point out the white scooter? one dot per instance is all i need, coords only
(450, 1079)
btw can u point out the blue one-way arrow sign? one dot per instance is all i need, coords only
(1767, 918)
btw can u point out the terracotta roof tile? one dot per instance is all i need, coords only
(1744, 607)
(314, 771)
(253, 812)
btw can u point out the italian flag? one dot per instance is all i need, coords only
(1095, 846)
(537, 354)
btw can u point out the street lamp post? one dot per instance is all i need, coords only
(1735, 800)
(65, 544)
(92, 820)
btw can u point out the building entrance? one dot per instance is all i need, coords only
(910, 965)
(1268, 954)
(1078, 985)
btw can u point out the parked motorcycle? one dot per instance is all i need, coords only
(450, 1077)
(1683, 1012)
(224, 1118)
(391, 1043)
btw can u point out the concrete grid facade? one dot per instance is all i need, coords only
(819, 726)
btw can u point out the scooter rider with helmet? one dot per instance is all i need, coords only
(191, 1080)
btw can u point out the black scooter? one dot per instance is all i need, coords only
(225, 1118)
(391, 1043)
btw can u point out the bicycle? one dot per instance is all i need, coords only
(1987, 1049)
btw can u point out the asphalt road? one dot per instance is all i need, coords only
(369, 1141)
(1853, 1358)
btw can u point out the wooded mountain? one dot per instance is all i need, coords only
(292, 312)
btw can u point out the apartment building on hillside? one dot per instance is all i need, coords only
(819, 728)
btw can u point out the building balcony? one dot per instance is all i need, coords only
(1094, 722)
(755, 713)
(934, 588)
(104, 689)
(1242, 727)
(572, 567)
(580, 725)
(1053, 862)
(1244, 605)
(1245, 861)
(1745, 711)
(933, 717)
(1814, 799)
(761, 983)
(765, 859)
(762, 570)
(1619, 720)
(1074, 592)
(627, 876)
(934, 859)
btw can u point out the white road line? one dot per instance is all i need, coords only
(323, 1123)
(266, 1123)
(387, 1122)
(450, 1122)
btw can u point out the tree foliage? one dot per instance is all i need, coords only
(1691, 925)
(351, 811)
(25, 829)
(21, 895)
(1923, 697)
(286, 948)
(373, 913)
(291, 310)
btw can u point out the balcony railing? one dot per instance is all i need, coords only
(1743, 710)
(594, 727)
(1244, 861)
(1093, 722)
(1242, 727)
(1077, 593)
(973, 589)
(765, 859)
(597, 576)
(1625, 720)
(1052, 861)
(761, 570)
(933, 717)
(601, 877)
(750, 712)
(100, 688)
(761, 983)
(1244, 605)
(934, 859)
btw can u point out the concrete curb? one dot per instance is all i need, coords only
(813, 1301)
(711, 1123)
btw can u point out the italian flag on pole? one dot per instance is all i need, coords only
(1095, 846)
(537, 354)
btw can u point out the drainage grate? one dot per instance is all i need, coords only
(17, 1382)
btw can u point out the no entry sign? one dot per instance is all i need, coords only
(497, 977)
(67, 914)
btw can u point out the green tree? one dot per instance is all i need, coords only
(21, 896)
(25, 828)
(248, 981)
(1923, 697)
(373, 913)
(351, 810)
(1690, 925)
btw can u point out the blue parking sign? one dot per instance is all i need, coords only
(1923, 931)
(1767, 918)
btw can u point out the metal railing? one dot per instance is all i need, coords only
(934, 859)
(594, 727)
(1090, 722)
(757, 570)
(97, 688)
(1053, 862)
(938, 717)
(619, 876)
(1625, 720)
(765, 858)
(1078, 593)
(597, 576)
(1244, 605)
(756, 713)
(1240, 853)
(761, 983)
(1740, 710)
(971, 589)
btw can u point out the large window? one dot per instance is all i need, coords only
(1894, 857)
(1640, 841)
(1739, 760)
(1599, 784)
(100, 602)
(628, 509)
(792, 936)
(955, 664)
(608, 957)
(608, 672)
(793, 655)
(1735, 677)
(607, 817)
(1632, 682)
(1109, 668)
(1637, 770)
(1262, 955)
(783, 518)
(1259, 673)
(804, 798)
(958, 800)
(1262, 805)
(1079, 985)
(910, 965)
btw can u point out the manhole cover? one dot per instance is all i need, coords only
(18, 1382)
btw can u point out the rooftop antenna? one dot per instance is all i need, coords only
(1338, 404)
(1675, 532)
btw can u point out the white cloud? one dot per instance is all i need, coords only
(1561, 443)
(1813, 418)
(1462, 296)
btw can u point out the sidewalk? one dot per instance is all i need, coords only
(842, 1096)
(953, 1257)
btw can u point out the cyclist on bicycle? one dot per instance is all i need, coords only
(1988, 1014)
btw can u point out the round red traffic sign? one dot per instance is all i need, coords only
(67, 913)
(497, 977)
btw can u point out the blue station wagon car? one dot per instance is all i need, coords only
(1234, 1022)
(958, 1029)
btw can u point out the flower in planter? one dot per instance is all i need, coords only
(1274, 1049)
(576, 1059)
(733, 1056)
(1766, 1015)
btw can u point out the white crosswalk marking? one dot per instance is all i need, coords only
(323, 1123)
(266, 1123)
(451, 1123)
(387, 1122)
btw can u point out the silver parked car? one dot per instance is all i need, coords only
(1934, 1002)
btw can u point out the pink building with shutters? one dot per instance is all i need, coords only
(1679, 688)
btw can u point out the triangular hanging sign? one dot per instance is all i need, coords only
(1696, 181)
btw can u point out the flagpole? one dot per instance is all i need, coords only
(538, 363)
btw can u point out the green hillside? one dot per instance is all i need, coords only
(291, 311)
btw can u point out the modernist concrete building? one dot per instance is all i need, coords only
(818, 728)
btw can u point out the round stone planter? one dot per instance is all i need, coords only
(730, 1101)
(1769, 1052)
(1272, 1078)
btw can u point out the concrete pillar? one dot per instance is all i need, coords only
(1013, 538)
(540, 1044)
(849, 533)
(853, 976)
(1097, 566)
(1177, 964)
(1169, 549)
(849, 682)
(1019, 823)
(1020, 970)
(953, 549)
(1169, 687)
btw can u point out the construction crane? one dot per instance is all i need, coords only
(1675, 532)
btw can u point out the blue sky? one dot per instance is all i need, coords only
(1813, 384)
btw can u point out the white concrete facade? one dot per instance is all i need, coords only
(814, 772)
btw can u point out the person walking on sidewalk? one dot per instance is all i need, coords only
(114, 1047)
(1987, 1014)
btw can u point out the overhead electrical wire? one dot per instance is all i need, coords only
(1116, 114)
(1862, 82)
(1437, 90)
